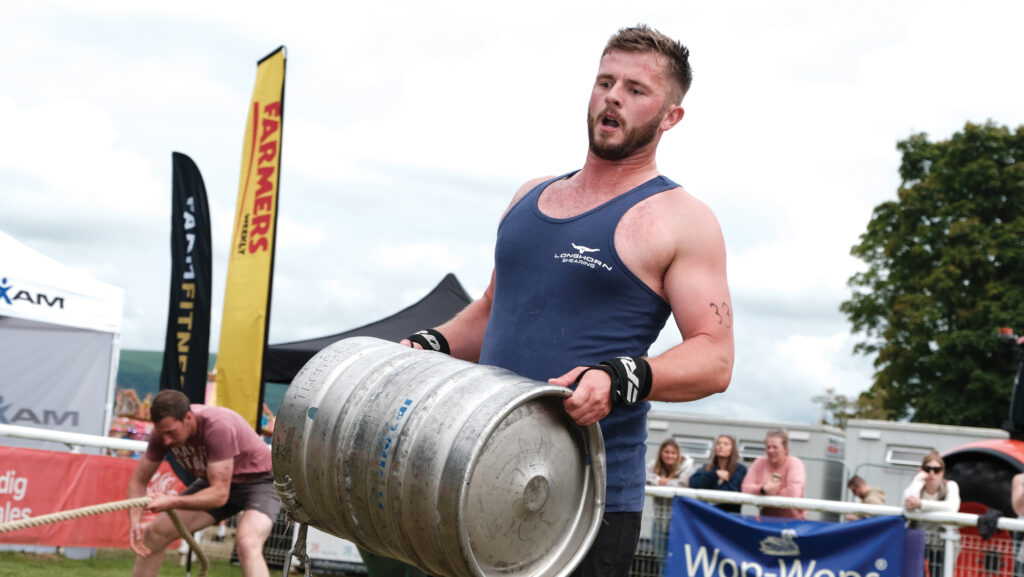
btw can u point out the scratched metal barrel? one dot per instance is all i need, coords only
(457, 468)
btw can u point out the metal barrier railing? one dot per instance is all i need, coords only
(74, 441)
(950, 551)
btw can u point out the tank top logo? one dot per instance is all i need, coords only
(580, 255)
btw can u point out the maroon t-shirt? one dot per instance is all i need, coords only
(220, 434)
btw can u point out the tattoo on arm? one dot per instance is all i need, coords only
(723, 313)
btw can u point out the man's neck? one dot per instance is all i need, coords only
(193, 427)
(608, 177)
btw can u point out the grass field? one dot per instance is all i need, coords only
(108, 562)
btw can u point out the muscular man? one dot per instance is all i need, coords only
(588, 267)
(231, 464)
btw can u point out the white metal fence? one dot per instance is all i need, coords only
(74, 441)
(958, 551)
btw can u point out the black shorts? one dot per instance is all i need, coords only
(611, 555)
(259, 495)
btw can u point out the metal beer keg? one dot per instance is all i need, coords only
(457, 468)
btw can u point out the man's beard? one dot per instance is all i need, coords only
(636, 139)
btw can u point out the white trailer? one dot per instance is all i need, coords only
(885, 453)
(820, 447)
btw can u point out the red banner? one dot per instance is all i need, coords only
(35, 482)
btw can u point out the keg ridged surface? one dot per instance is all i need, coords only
(457, 468)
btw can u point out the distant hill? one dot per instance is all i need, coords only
(140, 370)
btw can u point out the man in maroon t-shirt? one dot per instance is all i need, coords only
(233, 473)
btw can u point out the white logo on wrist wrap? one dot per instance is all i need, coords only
(634, 381)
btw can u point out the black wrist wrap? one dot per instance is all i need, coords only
(632, 379)
(431, 340)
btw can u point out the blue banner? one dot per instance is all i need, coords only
(704, 541)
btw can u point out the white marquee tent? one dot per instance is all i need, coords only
(59, 345)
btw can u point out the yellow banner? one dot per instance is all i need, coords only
(243, 333)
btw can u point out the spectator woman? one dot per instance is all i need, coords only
(931, 491)
(671, 469)
(777, 474)
(724, 472)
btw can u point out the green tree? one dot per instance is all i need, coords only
(837, 409)
(945, 268)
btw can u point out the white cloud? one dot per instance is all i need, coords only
(70, 146)
(405, 256)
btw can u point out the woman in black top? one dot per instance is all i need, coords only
(724, 472)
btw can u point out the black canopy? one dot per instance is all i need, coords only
(282, 362)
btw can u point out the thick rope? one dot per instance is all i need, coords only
(73, 514)
(108, 508)
(299, 551)
(204, 563)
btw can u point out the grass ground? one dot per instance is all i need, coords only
(108, 562)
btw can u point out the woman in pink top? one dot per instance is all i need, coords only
(777, 473)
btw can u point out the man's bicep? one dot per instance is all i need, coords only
(218, 473)
(697, 287)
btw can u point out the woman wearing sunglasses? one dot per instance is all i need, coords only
(931, 491)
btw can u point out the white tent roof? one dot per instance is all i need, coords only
(37, 288)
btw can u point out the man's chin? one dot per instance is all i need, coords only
(611, 153)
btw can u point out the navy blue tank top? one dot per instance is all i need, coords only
(562, 299)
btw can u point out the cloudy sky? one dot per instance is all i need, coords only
(409, 125)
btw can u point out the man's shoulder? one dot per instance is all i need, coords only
(529, 185)
(525, 189)
(677, 214)
(533, 182)
(213, 411)
(680, 201)
(214, 416)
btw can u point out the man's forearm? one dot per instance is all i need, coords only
(136, 489)
(204, 500)
(465, 331)
(691, 370)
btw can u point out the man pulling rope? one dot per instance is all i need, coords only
(233, 473)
